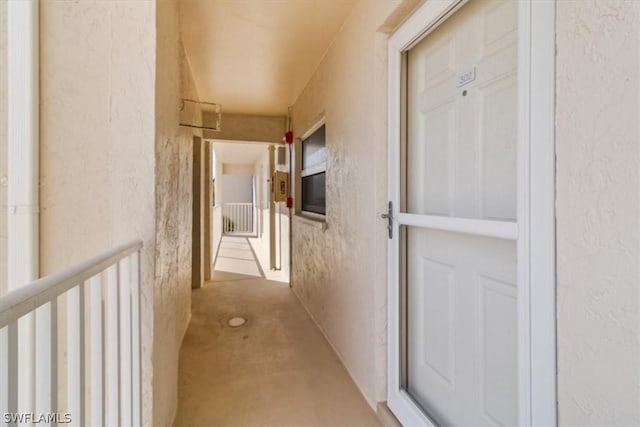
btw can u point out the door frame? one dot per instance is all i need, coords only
(535, 227)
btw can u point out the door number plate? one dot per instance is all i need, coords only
(467, 76)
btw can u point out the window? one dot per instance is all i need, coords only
(314, 169)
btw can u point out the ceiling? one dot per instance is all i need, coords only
(256, 56)
(238, 153)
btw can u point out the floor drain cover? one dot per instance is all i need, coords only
(237, 321)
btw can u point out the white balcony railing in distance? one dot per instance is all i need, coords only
(101, 299)
(238, 218)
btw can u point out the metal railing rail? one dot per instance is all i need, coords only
(101, 335)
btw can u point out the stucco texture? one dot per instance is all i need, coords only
(339, 274)
(174, 197)
(97, 140)
(598, 212)
(116, 166)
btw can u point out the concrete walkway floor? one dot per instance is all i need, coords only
(276, 370)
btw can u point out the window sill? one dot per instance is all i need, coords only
(302, 218)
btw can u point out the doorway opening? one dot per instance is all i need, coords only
(250, 230)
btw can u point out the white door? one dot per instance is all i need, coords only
(462, 310)
(461, 163)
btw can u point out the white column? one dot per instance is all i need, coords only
(22, 52)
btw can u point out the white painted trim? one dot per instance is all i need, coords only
(523, 167)
(535, 229)
(400, 408)
(479, 227)
(23, 135)
(25, 299)
(542, 238)
(23, 174)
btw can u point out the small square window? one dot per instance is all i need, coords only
(313, 173)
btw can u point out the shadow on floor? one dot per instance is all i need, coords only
(275, 370)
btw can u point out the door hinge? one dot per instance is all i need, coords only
(389, 217)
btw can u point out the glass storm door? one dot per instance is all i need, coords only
(457, 232)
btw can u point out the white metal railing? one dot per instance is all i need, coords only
(101, 336)
(237, 218)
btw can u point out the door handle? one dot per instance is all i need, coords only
(389, 217)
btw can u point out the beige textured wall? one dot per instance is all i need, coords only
(174, 157)
(3, 147)
(598, 212)
(240, 127)
(97, 139)
(340, 274)
(116, 166)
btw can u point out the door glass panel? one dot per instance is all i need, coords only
(461, 317)
(461, 115)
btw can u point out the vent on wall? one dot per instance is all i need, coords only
(281, 156)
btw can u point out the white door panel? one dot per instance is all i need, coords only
(461, 294)
(461, 156)
(462, 321)
(471, 214)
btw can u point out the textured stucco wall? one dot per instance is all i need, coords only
(116, 166)
(241, 127)
(340, 274)
(97, 140)
(3, 147)
(598, 212)
(174, 174)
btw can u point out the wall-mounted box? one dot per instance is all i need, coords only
(280, 186)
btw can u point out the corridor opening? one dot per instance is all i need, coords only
(249, 228)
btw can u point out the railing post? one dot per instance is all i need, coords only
(124, 278)
(75, 355)
(96, 323)
(4, 371)
(239, 218)
(136, 411)
(12, 369)
(112, 415)
(111, 387)
(47, 358)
